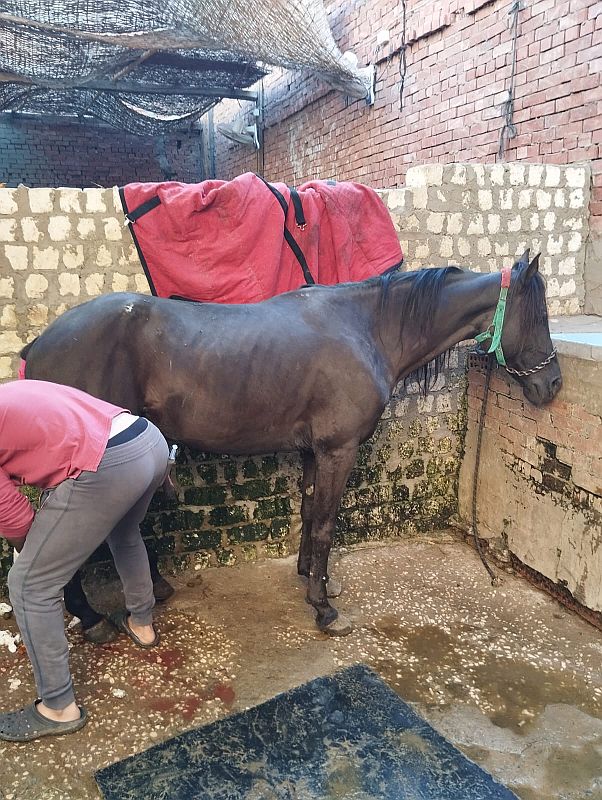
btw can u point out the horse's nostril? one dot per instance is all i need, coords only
(556, 384)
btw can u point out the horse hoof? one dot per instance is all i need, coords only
(162, 589)
(101, 633)
(338, 627)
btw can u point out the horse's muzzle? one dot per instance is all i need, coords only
(540, 390)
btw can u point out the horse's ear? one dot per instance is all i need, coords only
(523, 261)
(532, 268)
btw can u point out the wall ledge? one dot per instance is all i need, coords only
(578, 336)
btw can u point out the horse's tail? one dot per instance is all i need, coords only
(23, 355)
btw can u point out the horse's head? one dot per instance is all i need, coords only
(526, 341)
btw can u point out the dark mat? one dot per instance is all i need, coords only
(343, 737)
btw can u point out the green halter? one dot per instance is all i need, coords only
(494, 331)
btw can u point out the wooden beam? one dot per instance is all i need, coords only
(196, 64)
(125, 87)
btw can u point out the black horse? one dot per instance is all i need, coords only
(310, 370)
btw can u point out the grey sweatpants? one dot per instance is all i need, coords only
(75, 518)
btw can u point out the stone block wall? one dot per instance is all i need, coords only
(483, 215)
(540, 478)
(58, 248)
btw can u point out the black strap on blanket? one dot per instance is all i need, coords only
(299, 215)
(290, 240)
(300, 221)
(132, 216)
(143, 209)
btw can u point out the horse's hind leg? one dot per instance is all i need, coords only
(332, 471)
(307, 503)
(77, 603)
(162, 589)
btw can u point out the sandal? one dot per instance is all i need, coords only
(28, 724)
(120, 620)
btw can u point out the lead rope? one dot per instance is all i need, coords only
(509, 128)
(495, 579)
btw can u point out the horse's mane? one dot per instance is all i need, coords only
(420, 303)
(534, 310)
(418, 307)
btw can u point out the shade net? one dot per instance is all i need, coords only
(150, 66)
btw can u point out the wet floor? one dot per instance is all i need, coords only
(505, 673)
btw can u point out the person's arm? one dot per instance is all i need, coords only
(16, 512)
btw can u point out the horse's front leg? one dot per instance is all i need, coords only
(332, 471)
(333, 586)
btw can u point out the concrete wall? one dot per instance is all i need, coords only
(593, 276)
(540, 485)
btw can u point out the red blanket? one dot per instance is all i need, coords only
(223, 241)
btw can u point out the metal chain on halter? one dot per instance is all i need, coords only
(495, 579)
(543, 364)
(509, 128)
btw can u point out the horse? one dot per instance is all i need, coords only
(310, 370)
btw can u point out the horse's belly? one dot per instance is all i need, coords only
(224, 427)
(249, 442)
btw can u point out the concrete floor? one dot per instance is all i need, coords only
(506, 674)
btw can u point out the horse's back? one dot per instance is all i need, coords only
(86, 347)
(231, 378)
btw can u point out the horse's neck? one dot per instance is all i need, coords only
(466, 306)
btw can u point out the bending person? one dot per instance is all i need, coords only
(99, 467)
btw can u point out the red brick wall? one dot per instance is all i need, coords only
(40, 153)
(540, 476)
(458, 69)
(574, 431)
